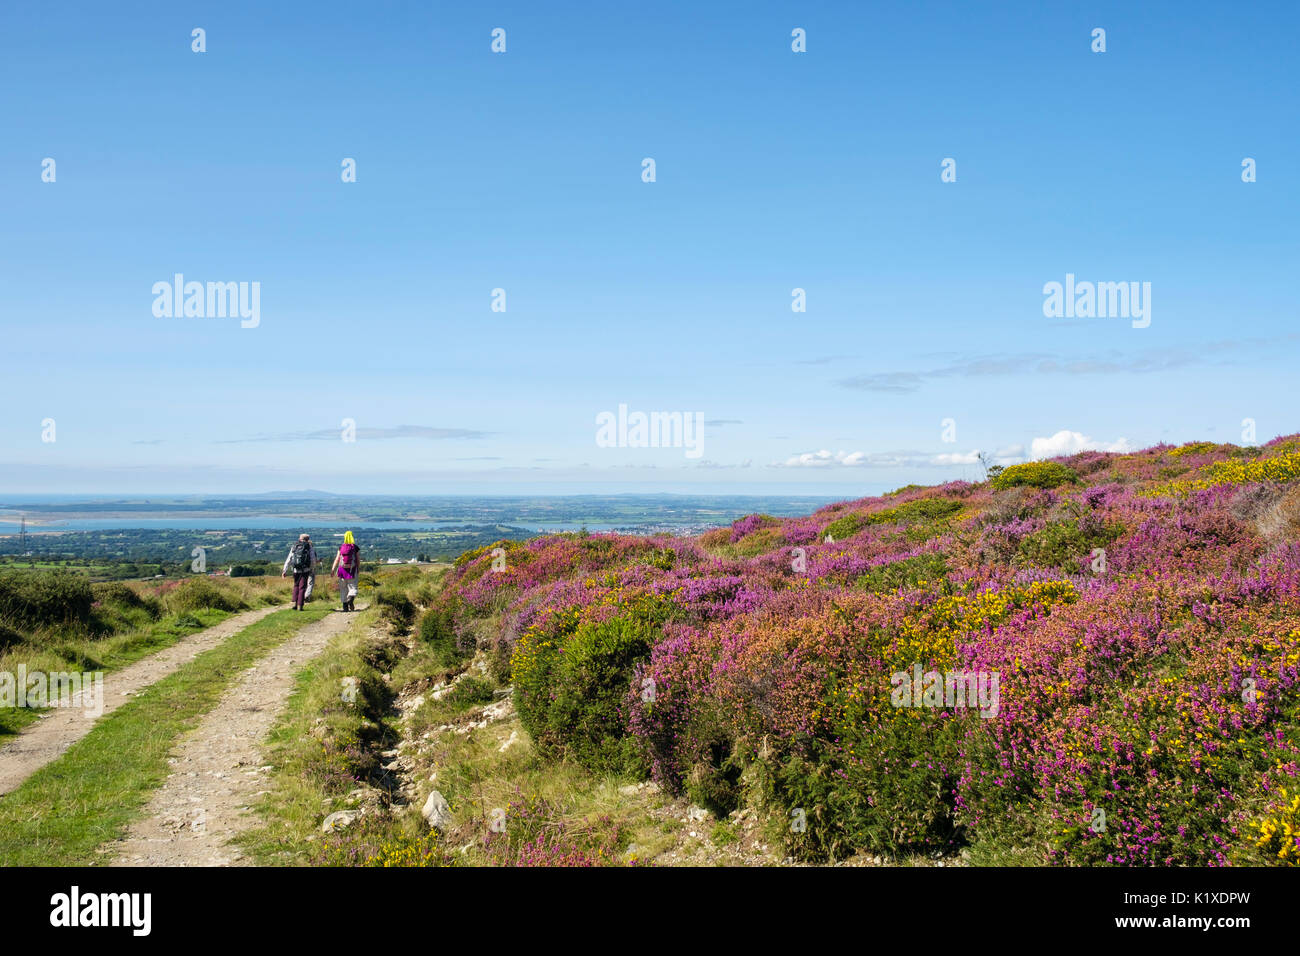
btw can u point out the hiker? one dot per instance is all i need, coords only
(302, 561)
(348, 564)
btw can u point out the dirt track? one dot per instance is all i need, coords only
(218, 769)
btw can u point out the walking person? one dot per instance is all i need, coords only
(348, 564)
(302, 561)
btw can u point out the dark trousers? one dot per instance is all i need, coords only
(300, 580)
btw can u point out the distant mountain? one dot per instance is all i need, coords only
(292, 495)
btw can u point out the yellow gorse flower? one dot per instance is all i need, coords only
(1235, 471)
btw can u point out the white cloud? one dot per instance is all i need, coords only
(1066, 442)
(858, 459)
(971, 457)
(822, 459)
(853, 459)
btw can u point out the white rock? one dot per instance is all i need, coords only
(496, 711)
(340, 820)
(436, 812)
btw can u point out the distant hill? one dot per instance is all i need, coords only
(292, 495)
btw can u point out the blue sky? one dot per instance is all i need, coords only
(775, 170)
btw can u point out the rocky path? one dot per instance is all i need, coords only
(47, 739)
(218, 769)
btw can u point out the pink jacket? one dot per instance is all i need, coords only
(349, 561)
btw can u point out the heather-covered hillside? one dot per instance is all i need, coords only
(1133, 618)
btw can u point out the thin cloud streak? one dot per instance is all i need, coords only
(1111, 362)
(427, 432)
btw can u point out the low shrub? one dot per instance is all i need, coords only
(845, 527)
(119, 608)
(749, 524)
(471, 691)
(920, 511)
(759, 542)
(903, 489)
(426, 591)
(917, 571)
(1064, 544)
(662, 558)
(31, 600)
(199, 593)
(715, 538)
(902, 802)
(1035, 474)
(571, 679)
(1193, 448)
(116, 593)
(438, 630)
